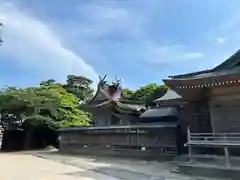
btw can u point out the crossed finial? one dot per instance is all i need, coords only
(102, 80)
(4, 88)
(116, 81)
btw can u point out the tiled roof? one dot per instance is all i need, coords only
(159, 112)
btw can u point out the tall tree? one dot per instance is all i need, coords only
(48, 104)
(128, 94)
(158, 92)
(80, 86)
(145, 94)
(26, 103)
(68, 112)
(48, 82)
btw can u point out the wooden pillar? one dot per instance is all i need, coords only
(5, 141)
(203, 111)
(189, 146)
(226, 153)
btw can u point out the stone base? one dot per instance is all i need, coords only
(209, 166)
(140, 154)
(209, 171)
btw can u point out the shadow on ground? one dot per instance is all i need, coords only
(119, 174)
(115, 168)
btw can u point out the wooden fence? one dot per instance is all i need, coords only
(151, 139)
(213, 140)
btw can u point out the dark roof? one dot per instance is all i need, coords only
(132, 102)
(218, 73)
(222, 69)
(137, 126)
(190, 74)
(111, 95)
(106, 92)
(159, 112)
(132, 107)
(230, 62)
(169, 95)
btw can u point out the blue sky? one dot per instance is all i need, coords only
(139, 41)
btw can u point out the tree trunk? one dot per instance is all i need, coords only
(4, 145)
(28, 139)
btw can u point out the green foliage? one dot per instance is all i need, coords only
(27, 101)
(48, 82)
(128, 94)
(68, 112)
(79, 86)
(49, 103)
(145, 94)
(57, 105)
(158, 92)
(38, 120)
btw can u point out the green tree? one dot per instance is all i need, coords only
(28, 102)
(48, 104)
(48, 82)
(158, 92)
(80, 86)
(127, 94)
(145, 94)
(68, 112)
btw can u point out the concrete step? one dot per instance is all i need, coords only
(206, 158)
(208, 166)
(212, 171)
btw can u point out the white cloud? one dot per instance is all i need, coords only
(221, 40)
(96, 20)
(107, 12)
(33, 46)
(172, 53)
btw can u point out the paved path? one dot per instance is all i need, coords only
(14, 166)
(119, 168)
(51, 166)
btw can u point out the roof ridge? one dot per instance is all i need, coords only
(230, 61)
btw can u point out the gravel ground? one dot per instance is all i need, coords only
(118, 168)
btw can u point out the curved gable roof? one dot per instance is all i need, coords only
(230, 62)
(169, 95)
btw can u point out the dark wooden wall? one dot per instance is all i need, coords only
(102, 116)
(162, 139)
(195, 115)
(225, 110)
